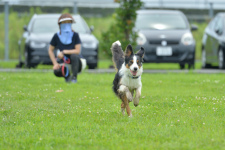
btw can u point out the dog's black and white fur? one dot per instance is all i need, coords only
(128, 77)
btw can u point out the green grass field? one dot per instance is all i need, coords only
(176, 111)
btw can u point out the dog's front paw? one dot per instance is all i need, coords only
(137, 97)
(136, 105)
(129, 96)
(136, 101)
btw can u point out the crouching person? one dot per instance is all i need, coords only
(68, 44)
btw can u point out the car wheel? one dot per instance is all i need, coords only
(27, 59)
(221, 59)
(92, 66)
(182, 66)
(20, 64)
(27, 62)
(204, 64)
(191, 66)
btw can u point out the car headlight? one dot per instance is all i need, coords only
(89, 45)
(35, 44)
(187, 39)
(141, 39)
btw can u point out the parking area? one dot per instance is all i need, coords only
(150, 71)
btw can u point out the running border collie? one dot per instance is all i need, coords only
(128, 77)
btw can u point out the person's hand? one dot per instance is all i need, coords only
(60, 55)
(56, 66)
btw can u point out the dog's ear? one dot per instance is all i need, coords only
(141, 52)
(129, 51)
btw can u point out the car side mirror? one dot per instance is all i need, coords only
(194, 27)
(25, 28)
(92, 28)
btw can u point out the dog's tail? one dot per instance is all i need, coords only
(117, 55)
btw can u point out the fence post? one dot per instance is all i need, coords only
(211, 13)
(161, 3)
(6, 7)
(75, 8)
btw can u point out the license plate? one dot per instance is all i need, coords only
(164, 51)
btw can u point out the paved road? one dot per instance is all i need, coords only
(202, 71)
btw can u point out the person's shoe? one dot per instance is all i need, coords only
(68, 79)
(74, 79)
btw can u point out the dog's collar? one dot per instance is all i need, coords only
(133, 77)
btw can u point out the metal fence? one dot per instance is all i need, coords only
(181, 4)
(64, 3)
(185, 4)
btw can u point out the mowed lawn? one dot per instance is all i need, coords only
(176, 111)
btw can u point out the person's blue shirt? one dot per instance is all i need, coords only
(59, 45)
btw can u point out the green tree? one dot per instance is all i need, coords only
(122, 28)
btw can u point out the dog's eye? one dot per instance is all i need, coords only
(138, 62)
(131, 61)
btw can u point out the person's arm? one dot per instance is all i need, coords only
(52, 57)
(76, 50)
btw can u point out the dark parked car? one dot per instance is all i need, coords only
(40, 30)
(166, 37)
(213, 43)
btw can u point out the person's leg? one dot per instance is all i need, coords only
(75, 65)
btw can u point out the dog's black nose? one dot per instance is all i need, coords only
(135, 68)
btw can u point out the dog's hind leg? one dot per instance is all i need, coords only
(126, 105)
(123, 108)
(137, 96)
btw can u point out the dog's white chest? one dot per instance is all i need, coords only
(131, 83)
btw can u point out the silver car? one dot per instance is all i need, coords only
(166, 37)
(39, 32)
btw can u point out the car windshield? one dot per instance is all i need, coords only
(161, 21)
(50, 25)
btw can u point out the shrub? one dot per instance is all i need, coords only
(124, 17)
